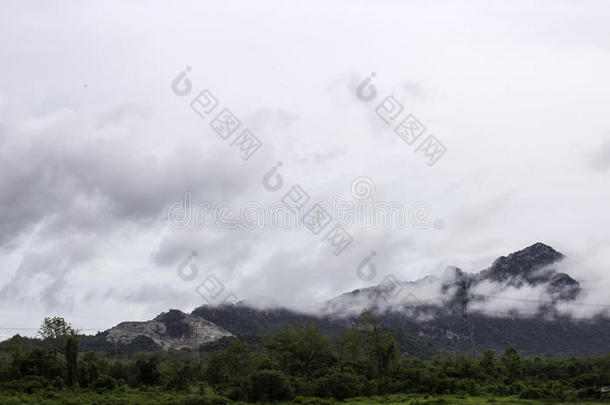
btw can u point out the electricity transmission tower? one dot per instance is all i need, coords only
(468, 330)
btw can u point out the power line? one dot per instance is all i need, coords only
(522, 299)
(585, 304)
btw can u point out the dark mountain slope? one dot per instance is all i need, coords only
(440, 321)
(457, 313)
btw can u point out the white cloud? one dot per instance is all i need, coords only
(94, 146)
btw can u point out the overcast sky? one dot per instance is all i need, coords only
(95, 147)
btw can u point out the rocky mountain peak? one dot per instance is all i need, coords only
(533, 266)
(169, 330)
(524, 262)
(425, 298)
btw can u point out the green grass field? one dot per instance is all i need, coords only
(452, 399)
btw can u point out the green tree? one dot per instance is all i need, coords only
(90, 368)
(269, 385)
(238, 358)
(216, 372)
(337, 384)
(380, 347)
(466, 367)
(488, 364)
(148, 372)
(511, 363)
(71, 359)
(300, 350)
(36, 362)
(55, 331)
(177, 374)
(103, 383)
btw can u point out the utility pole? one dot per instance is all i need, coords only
(464, 299)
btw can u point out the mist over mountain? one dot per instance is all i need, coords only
(529, 272)
(516, 301)
(230, 202)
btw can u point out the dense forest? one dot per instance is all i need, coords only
(296, 363)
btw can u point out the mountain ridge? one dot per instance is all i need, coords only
(436, 320)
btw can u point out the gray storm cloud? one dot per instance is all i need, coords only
(95, 147)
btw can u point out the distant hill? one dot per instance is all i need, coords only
(173, 329)
(455, 313)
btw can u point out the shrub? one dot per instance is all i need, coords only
(233, 393)
(269, 385)
(530, 393)
(311, 401)
(337, 385)
(103, 383)
(58, 383)
(30, 384)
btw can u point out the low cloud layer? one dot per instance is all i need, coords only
(95, 147)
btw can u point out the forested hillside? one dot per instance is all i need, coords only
(295, 363)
